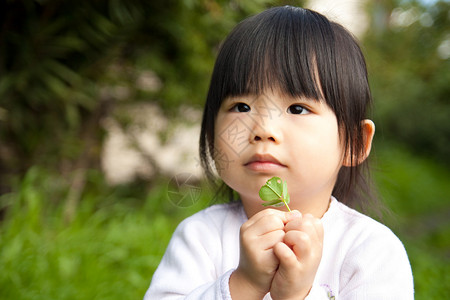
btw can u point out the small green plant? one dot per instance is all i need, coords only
(275, 193)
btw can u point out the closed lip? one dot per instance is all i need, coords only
(263, 158)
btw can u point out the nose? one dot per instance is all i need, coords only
(265, 133)
(267, 122)
(259, 138)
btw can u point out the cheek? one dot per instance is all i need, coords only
(221, 158)
(322, 149)
(336, 160)
(231, 139)
(219, 155)
(332, 149)
(225, 156)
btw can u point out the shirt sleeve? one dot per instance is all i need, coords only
(187, 269)
(377, 269)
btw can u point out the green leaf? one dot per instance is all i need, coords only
(275, 203)
(275, 193)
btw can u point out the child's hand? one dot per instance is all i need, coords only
(299, 255)
(257, 263)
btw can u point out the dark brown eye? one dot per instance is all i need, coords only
(240, 107)
(297, 109)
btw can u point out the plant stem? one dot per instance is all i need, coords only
(280, 197)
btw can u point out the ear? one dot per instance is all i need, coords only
(368, 127)
(368, 130)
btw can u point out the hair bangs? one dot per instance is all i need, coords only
(274, 50)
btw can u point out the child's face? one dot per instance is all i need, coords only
(258, 137)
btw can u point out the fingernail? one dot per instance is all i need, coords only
(295, 214)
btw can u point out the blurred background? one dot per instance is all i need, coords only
(100, 109)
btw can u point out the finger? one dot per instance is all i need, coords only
(300, 243)
(288, 262)
(304, 222)
(265, 213)
(308, 224)
(264, 260)
(265, 223)
(269, 240)
(263, 234)
(314, 227)
(293, 224)
(293, 215)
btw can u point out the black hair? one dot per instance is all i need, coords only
(301, 53)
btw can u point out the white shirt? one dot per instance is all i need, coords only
(361, 259)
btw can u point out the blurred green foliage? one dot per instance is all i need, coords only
(65, 66)
(108, 251)
(408, 54)
(416, 192)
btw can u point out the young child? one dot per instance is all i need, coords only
(288, 98)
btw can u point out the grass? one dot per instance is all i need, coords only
(109, 251)
(119, 235)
